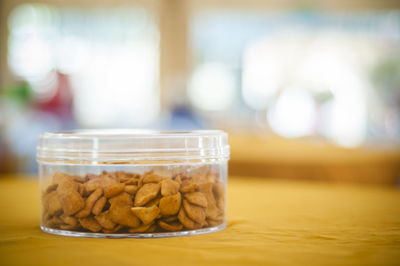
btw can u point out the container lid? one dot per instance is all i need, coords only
(132, 146)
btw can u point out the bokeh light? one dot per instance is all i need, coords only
(212, 87)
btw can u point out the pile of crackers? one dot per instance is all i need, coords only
(121, 202)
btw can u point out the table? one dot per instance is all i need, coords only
(271, 222)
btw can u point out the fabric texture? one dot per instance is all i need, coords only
(270, 222)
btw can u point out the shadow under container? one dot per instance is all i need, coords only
(133, 183)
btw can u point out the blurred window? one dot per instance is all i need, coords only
(312, 73)
(110, 55)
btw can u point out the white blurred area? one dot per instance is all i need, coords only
(212, 87)
(312, 75)
(292, 68)
(111, 58)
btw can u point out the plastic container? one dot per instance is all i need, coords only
(133, 183)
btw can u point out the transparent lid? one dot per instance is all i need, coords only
(132, 146)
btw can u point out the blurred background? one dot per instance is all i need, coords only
(307, 90)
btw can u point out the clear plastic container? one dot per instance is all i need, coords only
(133, 183)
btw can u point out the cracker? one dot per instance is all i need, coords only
(51, 188)
(152, 229)
(69, 227)
(153, 202)
(81, 189)
(170, 219)
(177, 179)
(70, 199)
(196, 198)
(188, 186)
(113, 190)
(173, 227)
(69, 220)
(212, 222)
(90, 224)
(146, 214)
(90, 201)
(59, 177)
(141, 229)
(79, 179)
(123, 198)
(104, 220)
(152, 178)
(99, 205)
(219, 193)
(212, 211)
(169, 187)
(146, 193)
(196, 213)
(120, 211)
(54, 222)
(170, 205)
(130, 181)
(52, 203)
(131, 189)
(99, 182)
(186, 221)
(114, 230)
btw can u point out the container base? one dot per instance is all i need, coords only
(134, 235)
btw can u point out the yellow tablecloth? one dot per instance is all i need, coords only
(270, 223)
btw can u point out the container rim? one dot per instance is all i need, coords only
(129, 133)
(122, 145)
